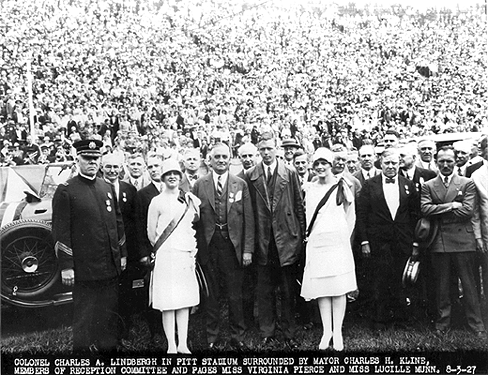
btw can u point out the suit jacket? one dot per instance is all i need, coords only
(185, 184)
(285, 215)
(142, 201)
(127, 201)
(455, 232)
(480, 219)
(473, 167)
(240, 217)
(433, 166)
(374, 222)
(88, 229)
(420, 176)
(145, 180)
(359, 174)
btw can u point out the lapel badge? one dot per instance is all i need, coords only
(107, 202)
(124, 196)
(109, 195)
(109, 208)
(459, 192)
(406, 190)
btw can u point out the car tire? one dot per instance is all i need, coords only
(29, 264)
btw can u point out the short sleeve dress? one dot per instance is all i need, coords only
(329, 262)
(174, 284)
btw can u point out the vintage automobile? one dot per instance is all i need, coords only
(29, 269)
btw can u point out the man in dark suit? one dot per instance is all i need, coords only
(463, 151)
(300, 162)
(225, 238)
(280, 227)
(192, 165)
(366, 163)
(129, 301)
(408, 168)
(248, 154)
(422, 295)
(144, 248)
(449, 199)
(91, 259)
(387, 212)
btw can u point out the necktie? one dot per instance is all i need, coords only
(390, 180)
(460, 172)
(446, 181)
(369, 175)
(136, 183)
(270, 176)
(220, 188)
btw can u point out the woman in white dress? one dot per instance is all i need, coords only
(174, 287)
(329, 272)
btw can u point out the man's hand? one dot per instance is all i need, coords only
(366, 250)
(481, 246)
(68, 277)
(145, 261)
(456, 205)
(246, 259)
(123, 263)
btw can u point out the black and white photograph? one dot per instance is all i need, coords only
(244, 187)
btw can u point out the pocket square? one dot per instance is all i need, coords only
(238, 196)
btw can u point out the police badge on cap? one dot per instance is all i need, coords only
(88, 147)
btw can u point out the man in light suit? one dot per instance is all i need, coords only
(387, 212)
(280, 227)
(144, 249)
(480, 224)
(450, 200)
(225, 238)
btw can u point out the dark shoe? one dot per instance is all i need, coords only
(239, 346)
(440, 332)
(268, 341)
(292, 344)
(480, 335)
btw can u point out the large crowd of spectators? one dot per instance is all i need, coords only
(164, 75)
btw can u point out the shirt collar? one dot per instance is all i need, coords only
(272, 166)
(88, 177)
(223, 177)
(383, 179)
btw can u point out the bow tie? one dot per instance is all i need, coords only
(390, 180)
(194, 177)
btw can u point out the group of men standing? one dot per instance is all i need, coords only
(251, 232)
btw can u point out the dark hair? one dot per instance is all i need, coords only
(445, 149)
(298, 153)
(394, 132)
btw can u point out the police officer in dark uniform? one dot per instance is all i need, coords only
(90, 244)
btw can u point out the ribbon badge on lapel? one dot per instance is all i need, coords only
(108, 202)
(231, 197)
(407, 191)
(460, 193)
(124, 196)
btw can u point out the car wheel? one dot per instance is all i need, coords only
(29, 263)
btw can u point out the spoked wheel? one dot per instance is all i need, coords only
(29, 263)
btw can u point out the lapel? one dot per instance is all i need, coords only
(231, 191)
(377, 181)
(209, 189)
(257, 178)
(280, 184)
(439, 188)
(404, 190)
(454, 188)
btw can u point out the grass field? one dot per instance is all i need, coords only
(48, 331)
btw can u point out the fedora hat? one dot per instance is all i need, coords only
(426, 231)
(410, 272)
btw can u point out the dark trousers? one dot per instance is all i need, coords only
(463, 263)
(249, 293)
(385, 271)
(271, 277)
(224, 275)
(95, 316)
